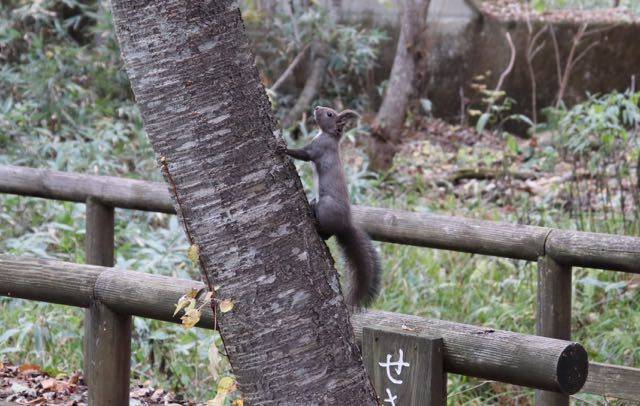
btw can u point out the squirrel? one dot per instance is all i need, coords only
(331, 207)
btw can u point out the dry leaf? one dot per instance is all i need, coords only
(207, 298)
(194, 254)
(140, 392)
(54, 385)
(187, 301)
(49, 383)
(218, 400)
(193, 293)
(214, 361)
(29, 368)
(237, 402)
(191, 317)
(184, 303)
(74, 378)
(226, 306)
(226, 385)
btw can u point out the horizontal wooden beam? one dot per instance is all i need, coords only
(452, 233)
(154, 296)
(47, 280)
(592, 250)
(519, 359)
(613, 381)
(74, 187)
(515, 358)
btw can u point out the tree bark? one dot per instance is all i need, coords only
(241, 203)
(389, 121)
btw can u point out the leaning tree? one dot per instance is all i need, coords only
(389, 121)
(241, 203)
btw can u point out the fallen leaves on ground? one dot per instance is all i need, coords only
(28, 384)
(514, 10)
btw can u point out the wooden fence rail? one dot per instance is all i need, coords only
(532, 361)
(556, 251)
(575, 248)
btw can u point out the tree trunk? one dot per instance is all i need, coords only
(390, 118)
(241, 203)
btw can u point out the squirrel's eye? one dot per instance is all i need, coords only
(329, 114)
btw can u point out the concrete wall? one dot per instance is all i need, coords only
(463, 43)
(452, 24)
(387, 12)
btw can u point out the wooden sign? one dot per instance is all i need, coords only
(406, 368)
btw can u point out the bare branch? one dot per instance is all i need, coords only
(285, 75)
(568, 68)
(288, 8)
(532, 51)
(584, 52)
(507, 71)
(537, 50)
(556, 49)
(512, 61)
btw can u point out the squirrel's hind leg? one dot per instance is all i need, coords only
(331, 217)
(314, 210)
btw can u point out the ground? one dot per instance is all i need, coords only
(29, 384)
(517, 10)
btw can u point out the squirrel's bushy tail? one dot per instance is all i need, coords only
(363, 264)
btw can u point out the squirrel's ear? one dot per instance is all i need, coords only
(346, 115)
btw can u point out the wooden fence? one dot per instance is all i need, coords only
(502, 356)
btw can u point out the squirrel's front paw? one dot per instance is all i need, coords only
(281, 149)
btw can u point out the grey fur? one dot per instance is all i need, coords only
(332, 209)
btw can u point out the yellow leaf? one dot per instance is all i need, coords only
(226, 306)
(226, 385)
(193, 293)
(191, 317)
(237, 402)
(218, 400)
(182, 302)
(214, 361)
(194, 254)
(185, 302)
(207, 298)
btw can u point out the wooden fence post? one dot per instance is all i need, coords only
(553, 318)
(107, 345)
(406, 369)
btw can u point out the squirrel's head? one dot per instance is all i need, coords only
(332, 122)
